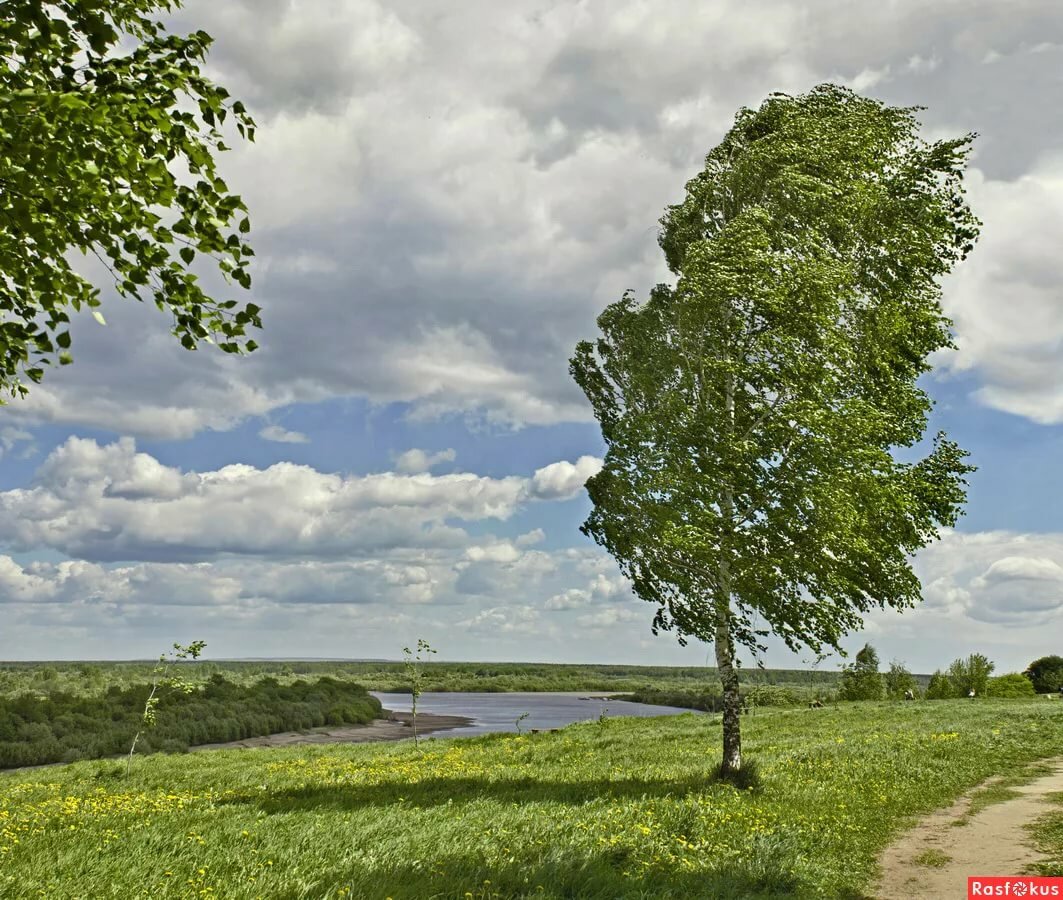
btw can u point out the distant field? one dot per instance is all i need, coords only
(97, 677)
(622, 808)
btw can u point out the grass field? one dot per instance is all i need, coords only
(625, 808)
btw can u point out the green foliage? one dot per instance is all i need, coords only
(971, 674)
(635, 809)
(750, 411)
(1046, 674)
(101, 108)
(94, 678)
(940, 687)
(1013, 686)
(1048, 833)
(709, 698)
(862, 680)
(412, 661)
(62, 727)
(898, 680)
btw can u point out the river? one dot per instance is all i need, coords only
(493, 712)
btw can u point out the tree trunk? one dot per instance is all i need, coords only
(732, 701)
(725, 650)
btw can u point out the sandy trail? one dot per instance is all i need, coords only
(993, 842)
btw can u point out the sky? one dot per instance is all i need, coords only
(443, 199)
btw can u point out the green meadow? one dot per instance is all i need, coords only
(618, 808)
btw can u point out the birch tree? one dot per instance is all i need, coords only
(107, 146)
(751, 410)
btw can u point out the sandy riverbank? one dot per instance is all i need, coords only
(395, 728)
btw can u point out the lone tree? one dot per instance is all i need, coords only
(971, 674)
(862, 680)
(101, 108)
(898, 680)
(1046, 674)
(750, 411)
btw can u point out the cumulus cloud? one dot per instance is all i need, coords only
(509, 621)
(999, 577)
(1005, 299)
(603, 589)
(531, 538)
(564, 480)
(607, 617)
(110, 502)
(388, 269)
(282, 435)
(415, 461)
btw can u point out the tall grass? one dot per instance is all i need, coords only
(622, 808)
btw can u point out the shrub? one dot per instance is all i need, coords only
(940, 687)
(1046, 674)
(971, 674)
(1010, 686)
(861, 680)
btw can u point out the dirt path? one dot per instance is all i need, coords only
(993, 842)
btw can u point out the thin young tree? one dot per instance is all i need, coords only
(412, 660)
(163, 678)
(751, 410)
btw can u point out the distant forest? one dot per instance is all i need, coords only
(63, 726)
(97, 677)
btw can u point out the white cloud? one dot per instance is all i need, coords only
(387, 266)
(920, 64)
(1004, 299)
(11, 437)
(868, 78)
(531, 538)
(1009, 579)
(603, 589)
(564, 480)
(508, 621)
(1020, 568)
(415, 461)
(607, 617)
(282, 435)
(110, 502)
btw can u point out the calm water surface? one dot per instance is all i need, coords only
(499, 711)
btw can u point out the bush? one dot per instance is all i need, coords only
(971, 674)
(1046, 674)
(898, 680)
(940, 687)
(1011, 686)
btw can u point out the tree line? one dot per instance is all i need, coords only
(965, 677)
(36, 729)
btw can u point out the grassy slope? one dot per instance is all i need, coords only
(628, 808)
(1048, 835)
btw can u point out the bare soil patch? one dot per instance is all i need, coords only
(993, 841)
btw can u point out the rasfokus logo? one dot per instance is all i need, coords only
(1014, 886)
